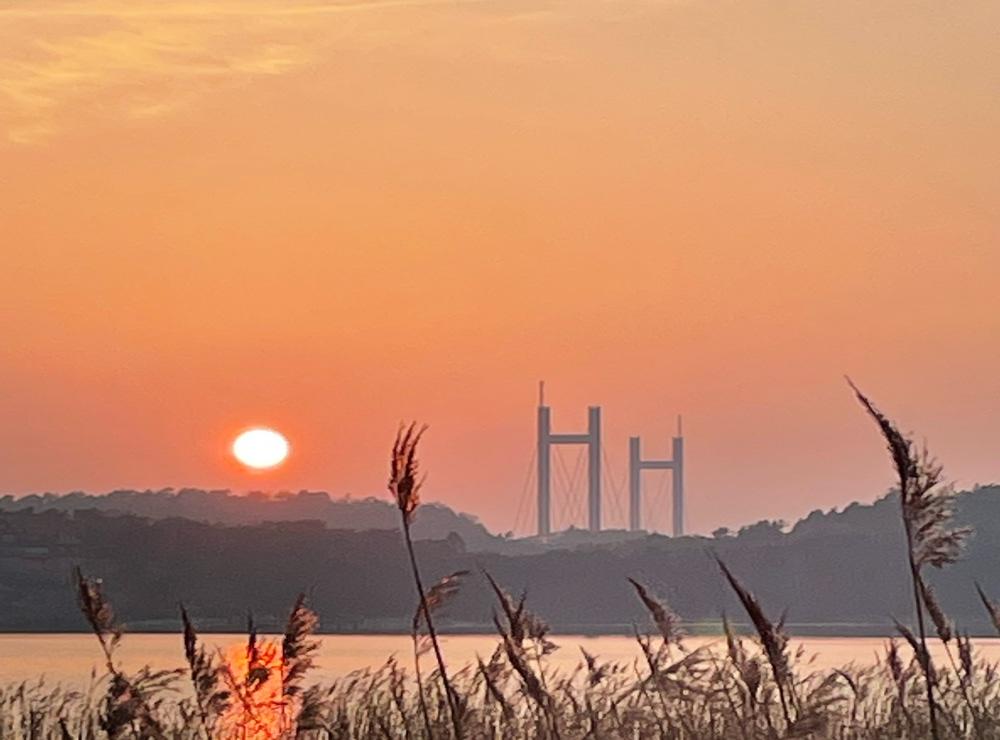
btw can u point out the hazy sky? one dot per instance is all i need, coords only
(327, 217)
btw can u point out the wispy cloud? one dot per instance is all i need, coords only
(64, 63)
(67, 61)
(208, 9)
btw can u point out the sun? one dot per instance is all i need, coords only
(261, 448)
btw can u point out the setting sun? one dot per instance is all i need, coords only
(260, 448)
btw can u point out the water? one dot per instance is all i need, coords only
(69, 658)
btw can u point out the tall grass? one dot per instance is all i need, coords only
(925, 504)
(739, 688)
(405, 484)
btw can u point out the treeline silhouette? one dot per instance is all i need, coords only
(225, 507)
(837, 571)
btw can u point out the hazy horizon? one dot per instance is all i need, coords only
(527, 526)
(328, 217)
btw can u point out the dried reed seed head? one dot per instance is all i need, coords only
(206, 674)
(772, 637)
(920, 653)
(445, 589)
(900, 447)
(190, 637)
(313, 712)
(850, 680)
(533, 686)
(942, 624)
(298, 648)
(423, 644)
(596, 672)
(520, 623)
(734, 645)
(129, 711)
(96, 608)
(437, 597)
(666, 621)
(936, 541)
(992, 608)
(404, 483)
(893, 661)
(926, 503)
(965, 657)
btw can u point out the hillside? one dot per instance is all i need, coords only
(834, 568)
(227, 508)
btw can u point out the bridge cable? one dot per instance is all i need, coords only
(615, 489)
(562, 481)
(661, 496)
(525, 489)
(577, 501)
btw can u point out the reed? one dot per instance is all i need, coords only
(211, 699)
(728, 690)
(405, 484)
(131, 702)
(926, 508)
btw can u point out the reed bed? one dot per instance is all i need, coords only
(746, 687)
(732, 690)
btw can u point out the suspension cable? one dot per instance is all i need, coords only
(615, 488)
(576, 501)
(562, 480)
(525, 488)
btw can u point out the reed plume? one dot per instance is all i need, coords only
(405, 483)
(298, 656)
(206, 677)
(772, 637)
(298, 646)
(668, 623)
(992, 608)
(926, 507)
(99, 613)
(127, 708)
(521, 625)
(437, 596)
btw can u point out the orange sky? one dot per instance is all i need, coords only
(327, 217)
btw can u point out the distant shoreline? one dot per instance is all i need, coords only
(696, 629)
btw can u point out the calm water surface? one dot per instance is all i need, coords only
(69, 659)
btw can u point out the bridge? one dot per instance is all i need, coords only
(569, 500)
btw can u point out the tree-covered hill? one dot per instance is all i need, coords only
(834, 568)
(227, 508)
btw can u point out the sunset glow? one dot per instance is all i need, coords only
(697, 208)
(473, 329)
(259, 709)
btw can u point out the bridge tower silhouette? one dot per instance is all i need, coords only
(546, 438)
(636, 464)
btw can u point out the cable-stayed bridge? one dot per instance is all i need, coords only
(559, 499)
